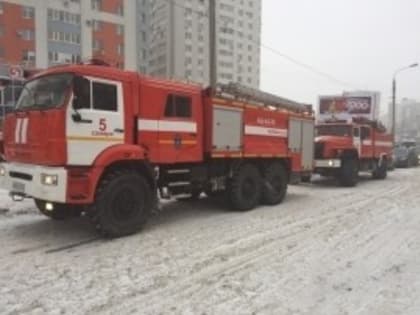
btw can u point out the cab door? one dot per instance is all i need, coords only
(179, 128)
(95, 119)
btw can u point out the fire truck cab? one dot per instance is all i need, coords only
(345, 148)
(107, 142)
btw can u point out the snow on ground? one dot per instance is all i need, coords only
(325, 250)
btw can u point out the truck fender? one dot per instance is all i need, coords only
(117, 153)
(125, 154)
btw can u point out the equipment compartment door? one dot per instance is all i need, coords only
(301, 141)
(308, 133)
(227, 129)
(295, 135)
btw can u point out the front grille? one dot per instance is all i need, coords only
(319, 150)
(19, 175)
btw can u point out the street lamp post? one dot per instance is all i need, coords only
(394, 95)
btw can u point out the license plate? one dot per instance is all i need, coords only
(18, 187)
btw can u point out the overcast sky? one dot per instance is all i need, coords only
(361, 42)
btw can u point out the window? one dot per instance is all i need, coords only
(1, 30)
(104, 96)
(28, 55)
(97, 25)
(96, 5)
(120, 49)
(27, 34)
(178, 106)
(97, 44)
(28, 12)
(1, 8)
(120, 10)
(334, 130)
(66, 17)
(365, 133)
(356, 132)
(1, 52)
(120, 29)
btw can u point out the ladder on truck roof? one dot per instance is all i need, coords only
(258, 97)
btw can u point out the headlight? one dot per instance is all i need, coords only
(49, 179)
(2, 171)
(331, 163)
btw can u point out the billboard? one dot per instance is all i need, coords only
(348, 105)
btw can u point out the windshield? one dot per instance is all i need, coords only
(45, 92)
(334, 130)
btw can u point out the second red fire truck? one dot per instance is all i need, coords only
(99, 140)
(345, 148)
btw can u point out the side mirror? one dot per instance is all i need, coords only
(76, 117)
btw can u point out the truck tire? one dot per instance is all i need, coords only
(60, 212)
(274, 184)
(381, 172)
(412, 160)
(194, 196)
(123, 203)
(306, 179)
(244, 192)
(348, 175)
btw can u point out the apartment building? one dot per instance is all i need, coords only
(165, 38)
(178, 40)
(41, 33)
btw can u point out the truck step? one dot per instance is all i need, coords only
(183, 171)
(179, 184)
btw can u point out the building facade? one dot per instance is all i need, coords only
(39, 34)
(408, 119)
(164, 38)
(179, 40)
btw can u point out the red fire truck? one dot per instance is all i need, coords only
(343, 149)
(106, 142)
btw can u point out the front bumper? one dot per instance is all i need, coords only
(25, 180)
(328, 163)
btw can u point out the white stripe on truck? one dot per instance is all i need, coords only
(264, 131)
(167, 125)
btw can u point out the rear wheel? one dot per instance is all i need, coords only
(59, 212)
(381, 172)
(123, 203)
(274, 184)
(348, 175)
(245, 188)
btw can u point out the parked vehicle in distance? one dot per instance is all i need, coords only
(345, 148)
(391, 161)
(406, 154)
(99, 140)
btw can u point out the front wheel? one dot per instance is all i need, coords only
(381, 172)
(58, 211)
(123, 203)
(348, 175)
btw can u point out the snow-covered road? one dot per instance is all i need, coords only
(325, 250)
